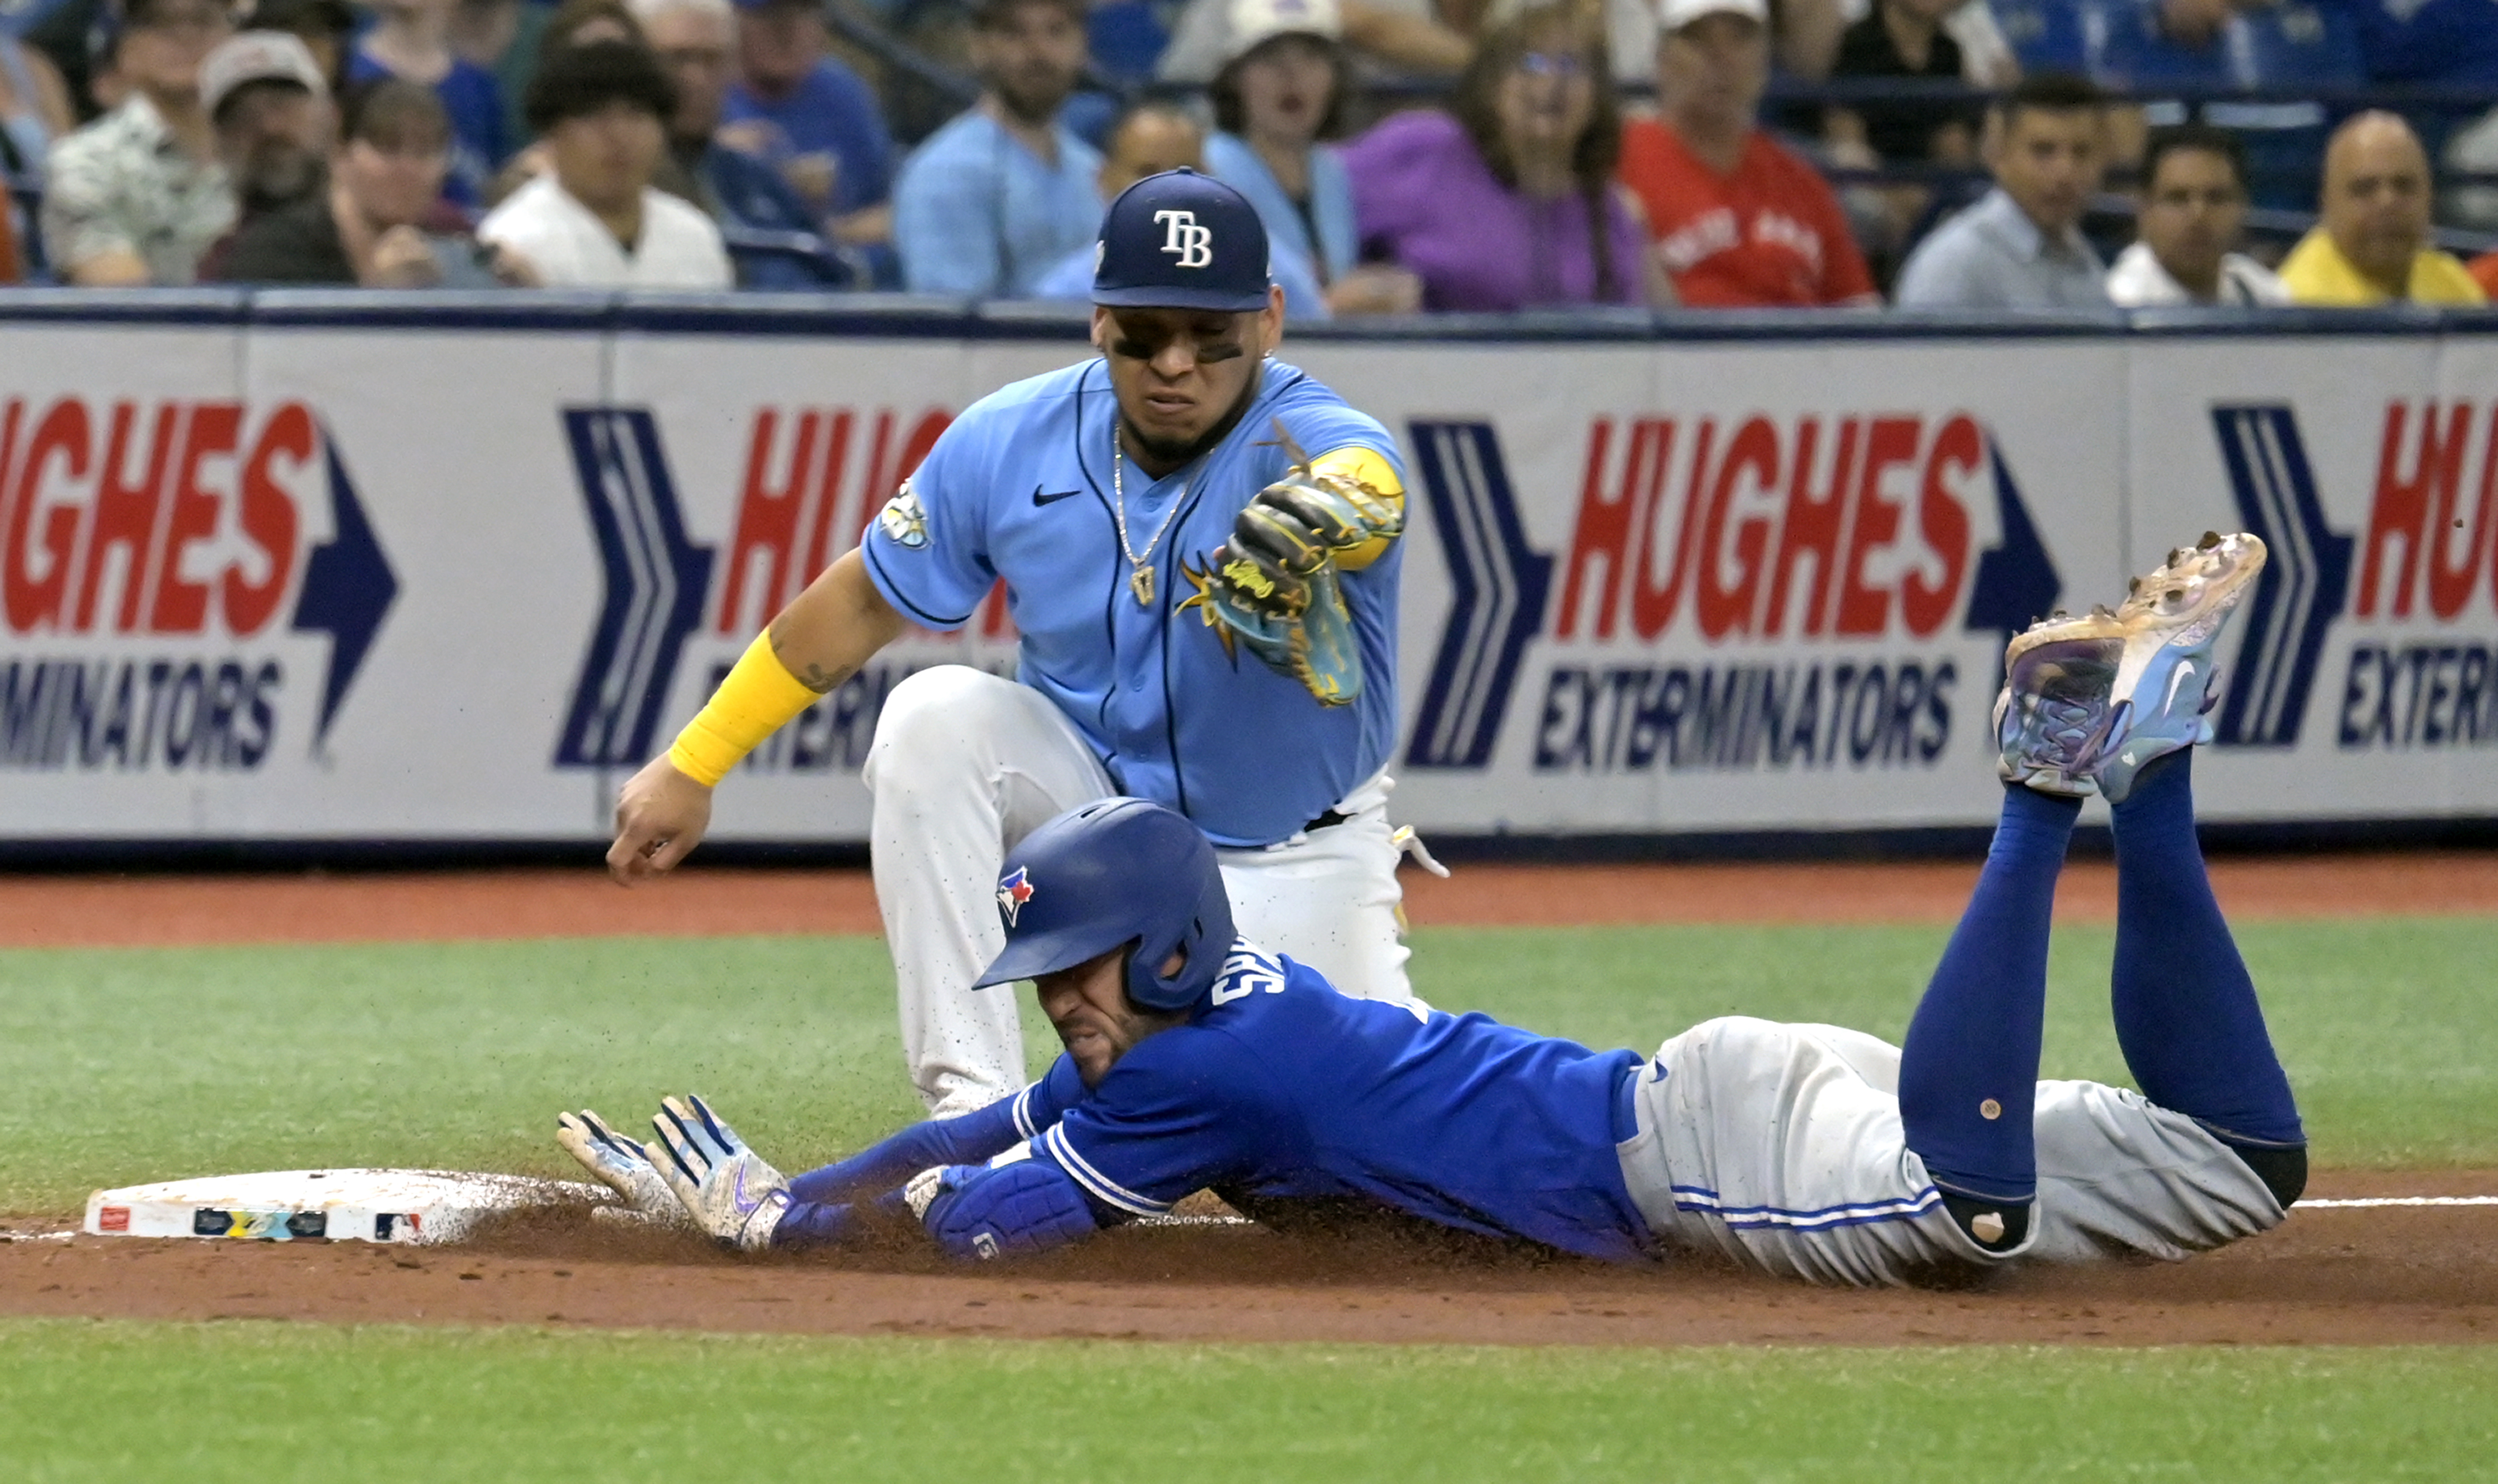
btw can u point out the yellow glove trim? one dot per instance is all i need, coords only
(758, 696)
(1365, 466)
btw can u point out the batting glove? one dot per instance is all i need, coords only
(726, 1187)
(620, 1163)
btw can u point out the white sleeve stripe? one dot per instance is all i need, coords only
(1091, 1179)
(1023, 1112)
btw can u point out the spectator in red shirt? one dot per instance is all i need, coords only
(1739, 221)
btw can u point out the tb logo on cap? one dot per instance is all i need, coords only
(1183, 239)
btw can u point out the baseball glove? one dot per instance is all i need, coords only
(1276, 585)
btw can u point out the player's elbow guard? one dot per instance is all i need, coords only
(1026, 1207)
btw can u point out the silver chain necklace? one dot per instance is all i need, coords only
(1141, 572)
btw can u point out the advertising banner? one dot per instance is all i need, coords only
(1726, 586)
(303, 575)
(2359, 679)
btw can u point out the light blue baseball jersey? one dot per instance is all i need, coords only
(1020, 488)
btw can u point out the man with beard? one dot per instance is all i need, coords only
(271, 105)
(1263, 517)
(383, 222)
(995, 198)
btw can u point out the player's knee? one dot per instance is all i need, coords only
(2283, 1171)
(932, 722)
(1991, 1224)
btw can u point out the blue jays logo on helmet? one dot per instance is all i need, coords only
(1123, 873)
(1015, 889)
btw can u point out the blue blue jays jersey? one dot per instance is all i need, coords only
(1280, 1089)
(1021, 487)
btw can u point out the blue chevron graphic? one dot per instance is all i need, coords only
(1501, 584)
(657, 581)
(2302, 589)
(2016, 583)
(347, 589)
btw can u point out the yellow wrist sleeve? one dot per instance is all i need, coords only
(758, 698)
(1363, 466)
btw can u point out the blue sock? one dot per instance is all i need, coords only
(1973, 1043)
(2186, 1011)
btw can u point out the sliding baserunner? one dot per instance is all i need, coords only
(1197, 1060)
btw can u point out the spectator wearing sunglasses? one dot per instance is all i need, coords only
(1511, 203)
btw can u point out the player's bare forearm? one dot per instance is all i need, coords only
(821, 638)
(828, 631)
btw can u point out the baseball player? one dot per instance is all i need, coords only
(1198, 1061)
(1200, 548)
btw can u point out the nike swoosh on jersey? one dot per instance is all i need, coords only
(1039, 500)
(2176, 679)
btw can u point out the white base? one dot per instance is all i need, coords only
(395, 1206)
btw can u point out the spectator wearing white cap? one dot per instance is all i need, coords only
(1739, 221)
(1282, 89)
(265, 92)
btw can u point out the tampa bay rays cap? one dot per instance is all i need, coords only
(1181, 241)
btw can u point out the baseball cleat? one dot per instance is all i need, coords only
(2052, 717)
(2165, 685)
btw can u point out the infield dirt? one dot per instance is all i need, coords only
(2338, 1276)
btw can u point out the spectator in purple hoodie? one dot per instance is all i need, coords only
(1509, 201)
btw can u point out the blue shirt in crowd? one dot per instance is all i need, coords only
(475, 101)
(2449, 42)
(1321, 231)
(832, 112)
(1280, 1093)
(1304, 301)
(1021, 487)
(974, 213)
(2288, 47)
(1992, 257)
(2048, 34)
(743, 193)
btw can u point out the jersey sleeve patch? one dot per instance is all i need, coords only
(927, 549)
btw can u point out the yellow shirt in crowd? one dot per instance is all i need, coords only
(2317, 274)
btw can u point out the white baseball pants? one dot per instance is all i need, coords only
(966, 763)
(1779, 1145)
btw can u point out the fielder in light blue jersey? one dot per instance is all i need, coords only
(1199, 546)
(1198, 1061)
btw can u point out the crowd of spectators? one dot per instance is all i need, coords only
(1405, 155)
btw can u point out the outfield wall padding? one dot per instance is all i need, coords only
(344, 567)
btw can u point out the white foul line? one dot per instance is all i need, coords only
(2401, 1200)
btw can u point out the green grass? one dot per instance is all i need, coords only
(266, 1403)
(131, 1064)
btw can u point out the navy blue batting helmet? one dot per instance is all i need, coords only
(1114, 872)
